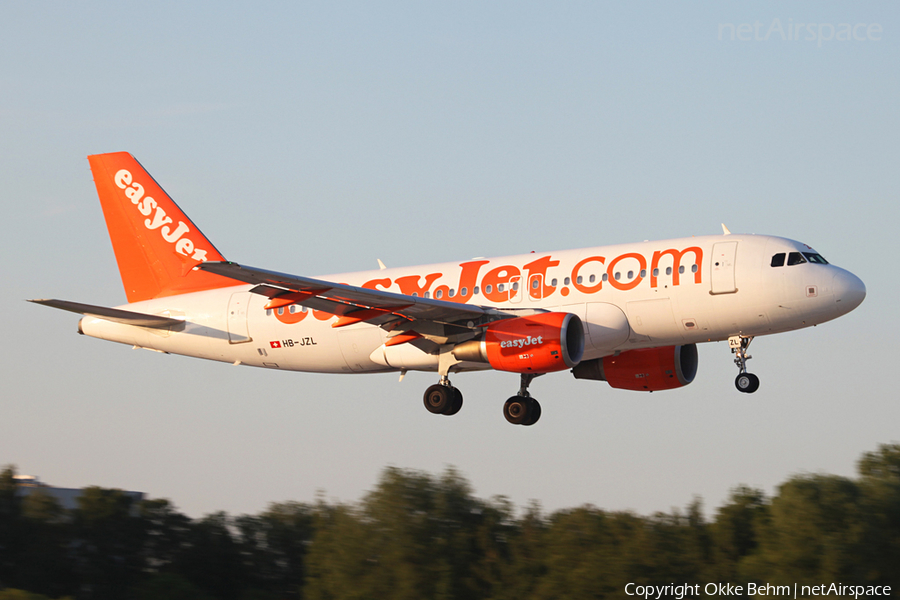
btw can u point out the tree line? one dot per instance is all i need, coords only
(417, 535)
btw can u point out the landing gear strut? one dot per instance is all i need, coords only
(522, 409)
(744, 382)
(443, 399)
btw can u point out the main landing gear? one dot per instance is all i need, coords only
(744, 382)
(443, 399)
(522, 409)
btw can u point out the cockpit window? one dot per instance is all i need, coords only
(815, 258)
(795, 258)
(778, 260)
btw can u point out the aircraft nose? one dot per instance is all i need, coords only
(849, 290)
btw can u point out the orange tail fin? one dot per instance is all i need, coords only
(156, 245)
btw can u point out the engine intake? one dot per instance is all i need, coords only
(644, 370)
(539, 343)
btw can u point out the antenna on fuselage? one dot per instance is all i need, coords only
(725, 230)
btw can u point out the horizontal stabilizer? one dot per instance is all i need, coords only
(113, 314)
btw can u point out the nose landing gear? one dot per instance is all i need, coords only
(745, 382)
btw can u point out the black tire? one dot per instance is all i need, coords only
(534, 412)
(438, 398)
(516, 410)
(747, 383)
(456, 403)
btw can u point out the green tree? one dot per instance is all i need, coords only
(274, 546)
(46, 564)
(815, 533)
(167, 536)
(108, 539)
(212, 560)
(342, 562)
(12, 528)
(880, 509)
(735, 530)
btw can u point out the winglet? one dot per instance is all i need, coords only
(725, 230)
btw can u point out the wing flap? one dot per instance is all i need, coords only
(115, 315)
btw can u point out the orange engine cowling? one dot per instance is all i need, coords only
(534, 344)
(644, 370)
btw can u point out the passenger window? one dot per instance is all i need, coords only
(795, 258)
(534, 284)
(426, 295)
(656, 272)
(630, 274)
(567, 281)
(617, 275)
(553, 282)
(605, 277)
(499, 287)
(592, 278)
(579, 279)
(488, 289)
(451, 294)
(292, 309)
(668, 270)
(515, 286)
(475, 291)
(464, 292)
(681, 270)
(693, 268)
(778, 260)
(281, 310)
(268, 312)
(643, 273)
(438, 294)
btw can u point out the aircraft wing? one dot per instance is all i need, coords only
(116, 315)
(343, 300)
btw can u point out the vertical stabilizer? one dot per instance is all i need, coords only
(156, 245)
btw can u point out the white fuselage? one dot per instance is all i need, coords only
(630, 296)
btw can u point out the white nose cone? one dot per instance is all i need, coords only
(849, 290)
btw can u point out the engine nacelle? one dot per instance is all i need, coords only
(644, 370)
(539, 343)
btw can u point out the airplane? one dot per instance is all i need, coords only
(630, 315)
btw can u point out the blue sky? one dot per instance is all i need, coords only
(314, 138)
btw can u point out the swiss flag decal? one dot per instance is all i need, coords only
(275, 344)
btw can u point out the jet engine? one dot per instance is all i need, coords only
(539, 343)
(644, 370)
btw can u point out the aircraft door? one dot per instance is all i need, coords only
(238, 332)
(722, 268)
(536, 287)
(515, 290)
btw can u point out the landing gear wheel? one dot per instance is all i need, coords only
(439, 398)
(747, 383)
(456, 403)
(534, 412)
(516, 410)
